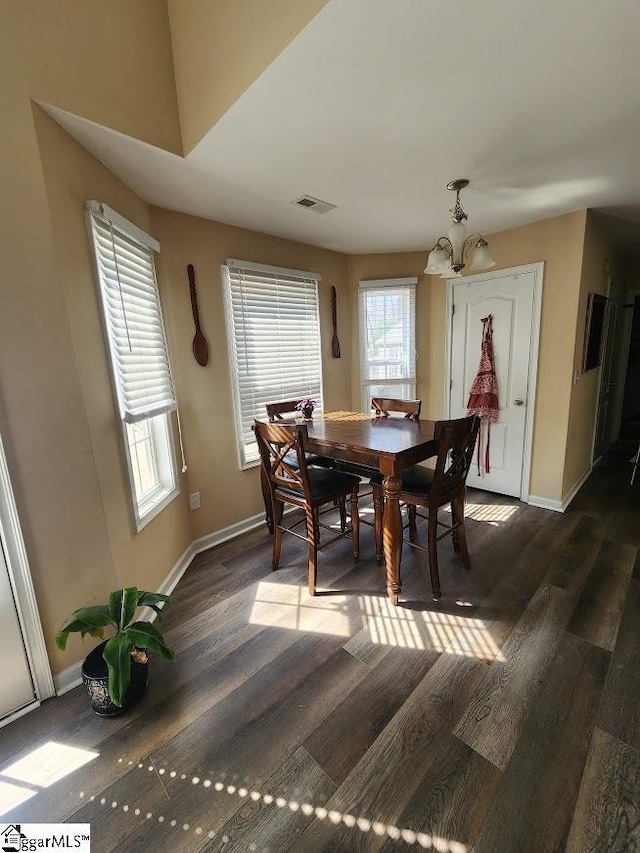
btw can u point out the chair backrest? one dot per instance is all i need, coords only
(276, 410)
(456, 442)
(384, 405)
(280, 445)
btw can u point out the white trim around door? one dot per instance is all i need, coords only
(22, 585)
(538, 273)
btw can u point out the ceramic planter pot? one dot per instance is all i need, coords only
(95, 678)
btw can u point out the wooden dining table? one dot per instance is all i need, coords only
(389, 445)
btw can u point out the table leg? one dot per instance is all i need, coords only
(392, 535)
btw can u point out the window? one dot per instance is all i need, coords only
(387, 339)
(139, 357)
(274, 342)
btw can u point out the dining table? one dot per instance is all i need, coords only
(386, 444)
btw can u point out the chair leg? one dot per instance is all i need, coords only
(454, 533)
(457, 507)
(355, 525)
(342, 506)
(412, 512)
(313, 535)
(266, 497)
(378, 506)
(432, 547)
(277, 534)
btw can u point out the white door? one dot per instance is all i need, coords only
(17, 687)
(509, 297)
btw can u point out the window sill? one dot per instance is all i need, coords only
(151, 508)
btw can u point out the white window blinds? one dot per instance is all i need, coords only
(387, 338)
(133, 316)
(274, 341)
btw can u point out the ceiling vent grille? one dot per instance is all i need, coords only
(314, 204)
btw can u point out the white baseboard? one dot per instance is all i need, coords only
(574, 491)
(545, 503)
(72, 676)
(560, 506)
(68, 679)
(230, 532)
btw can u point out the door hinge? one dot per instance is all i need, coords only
(453, 310)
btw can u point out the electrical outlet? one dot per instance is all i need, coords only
(194, 500)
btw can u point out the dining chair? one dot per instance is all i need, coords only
(307, 487)
(446, 484)
(384, 405)
(276, 412)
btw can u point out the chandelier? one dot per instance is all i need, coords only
(449, 253)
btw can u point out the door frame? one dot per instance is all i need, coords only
(23, 592)
(623, 363)
(603, 347)
(538, 277)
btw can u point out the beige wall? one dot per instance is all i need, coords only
(229, 495)
(109, 62)
(558, 242)
(41, 413)
(221, 47)
(584, 395)
(103, 551)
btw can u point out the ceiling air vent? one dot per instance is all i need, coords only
(315, 204)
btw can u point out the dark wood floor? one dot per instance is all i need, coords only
(504, 718)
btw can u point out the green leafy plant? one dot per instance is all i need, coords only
(130, 639)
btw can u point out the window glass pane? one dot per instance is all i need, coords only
(387, 340)
(143, 459)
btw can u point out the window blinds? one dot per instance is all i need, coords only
(388, 337)
(274, 341)
(133, 316)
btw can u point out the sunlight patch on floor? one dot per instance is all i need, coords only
(40, 768)
(428, 629)
(48, 764)
(494, 514)
(13, 795)
(290, 606)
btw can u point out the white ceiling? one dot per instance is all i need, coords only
(376, 105)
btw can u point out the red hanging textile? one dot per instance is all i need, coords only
(483, 397)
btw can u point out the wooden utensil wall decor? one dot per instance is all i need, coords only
(335, 343)
(200, 346)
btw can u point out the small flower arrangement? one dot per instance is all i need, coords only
(306, 406)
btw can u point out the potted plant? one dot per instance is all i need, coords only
(115, 672)
(306, 406)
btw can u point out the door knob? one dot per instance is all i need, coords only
(518, 402)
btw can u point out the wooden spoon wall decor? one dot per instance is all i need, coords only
(200, 346)
(335, 343)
